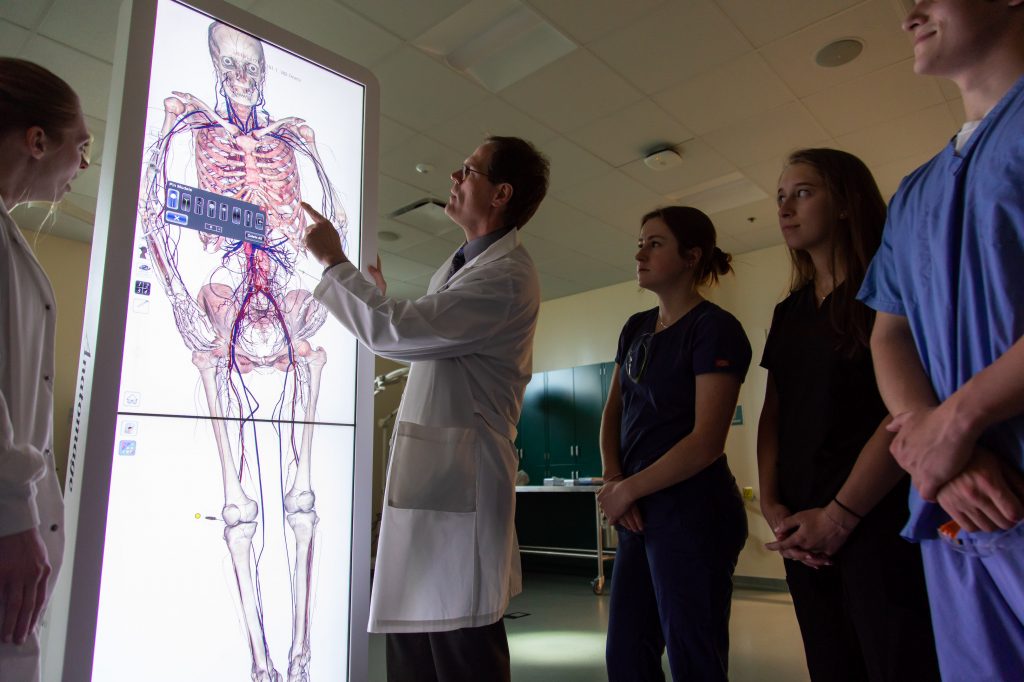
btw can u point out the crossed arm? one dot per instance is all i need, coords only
(937, 442)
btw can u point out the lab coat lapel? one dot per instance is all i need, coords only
(498, 249)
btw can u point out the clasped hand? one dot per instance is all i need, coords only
(931, 447)
(811, 536)
(619, 505)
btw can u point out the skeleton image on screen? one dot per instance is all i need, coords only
(249, 314)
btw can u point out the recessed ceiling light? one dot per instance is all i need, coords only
(839, 52)
(388, 236)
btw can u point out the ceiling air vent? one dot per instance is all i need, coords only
(425, 214)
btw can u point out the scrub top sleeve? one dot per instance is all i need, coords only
(720, 345)
(881, 287)
(451, 323)
(20, 467)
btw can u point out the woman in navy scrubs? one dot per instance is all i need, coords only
(830, 491)
(668, 488)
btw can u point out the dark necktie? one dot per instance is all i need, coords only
(458, 260)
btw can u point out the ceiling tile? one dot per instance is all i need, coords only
(725, 94)
(569, 228)
(88, 31)
(956, 108)
(586, 20)
(25, 13)
(88, 181)
(419, 92)
(591, 273)
(737, 221)
(732, 245)
(887, 93)
(700, 164)
(770, 135)
(571, 164)
(98, 128)
(765, 174)
(434, 252)
(571, 92)
(631, 133)
(393, 194)
(921, 132)
(541, 249)
(889, 175)
(400, 163)
(467, 129)
(89, 76)
(763, 22)
(393, 134)
(12, 39)
(874, 23)
(408, 235)
(552, 286)
(675, 42)
(948, 87)
(331, 26)
(407, 19)
(613, 198)
(762, 239)
(404, 269)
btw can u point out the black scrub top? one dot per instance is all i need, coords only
(829, 405)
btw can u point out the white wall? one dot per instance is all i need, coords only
(584, 329)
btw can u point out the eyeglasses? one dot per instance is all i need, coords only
(466, 170)
(638, 356)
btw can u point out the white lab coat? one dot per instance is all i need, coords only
(447, 557)
(29, 491)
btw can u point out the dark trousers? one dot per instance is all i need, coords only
(465, 655)
(672, 586)
(866, 617)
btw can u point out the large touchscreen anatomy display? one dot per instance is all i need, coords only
(228, 537)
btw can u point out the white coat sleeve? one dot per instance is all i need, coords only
(21, 465)
(451, 323)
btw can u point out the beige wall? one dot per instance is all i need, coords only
(66, 262)
(584, 329)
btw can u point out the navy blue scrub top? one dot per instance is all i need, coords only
(658, 408)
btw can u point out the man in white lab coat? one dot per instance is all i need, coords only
(447, 559)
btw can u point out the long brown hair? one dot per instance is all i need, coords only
(693, 229)
(855, 238)
(33, 96)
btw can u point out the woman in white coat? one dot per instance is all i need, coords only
(43, 146)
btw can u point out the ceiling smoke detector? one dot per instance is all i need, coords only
(839, 52)
(663, 159)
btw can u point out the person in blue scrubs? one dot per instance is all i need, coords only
(949, 292)
(668, 488)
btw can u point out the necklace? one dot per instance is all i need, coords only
(662, 324)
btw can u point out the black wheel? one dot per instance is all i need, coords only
(598, 585)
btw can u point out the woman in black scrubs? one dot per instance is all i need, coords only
(830, 491)
(668, 488)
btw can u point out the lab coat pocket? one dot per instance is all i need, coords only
(433, 468)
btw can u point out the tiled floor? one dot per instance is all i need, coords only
(562, 640)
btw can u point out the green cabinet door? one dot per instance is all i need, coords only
(588, 398)
(559, 408)
(532, 437)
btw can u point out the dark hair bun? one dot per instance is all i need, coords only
(721, 262)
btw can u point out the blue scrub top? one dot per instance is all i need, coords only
(952, 262)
